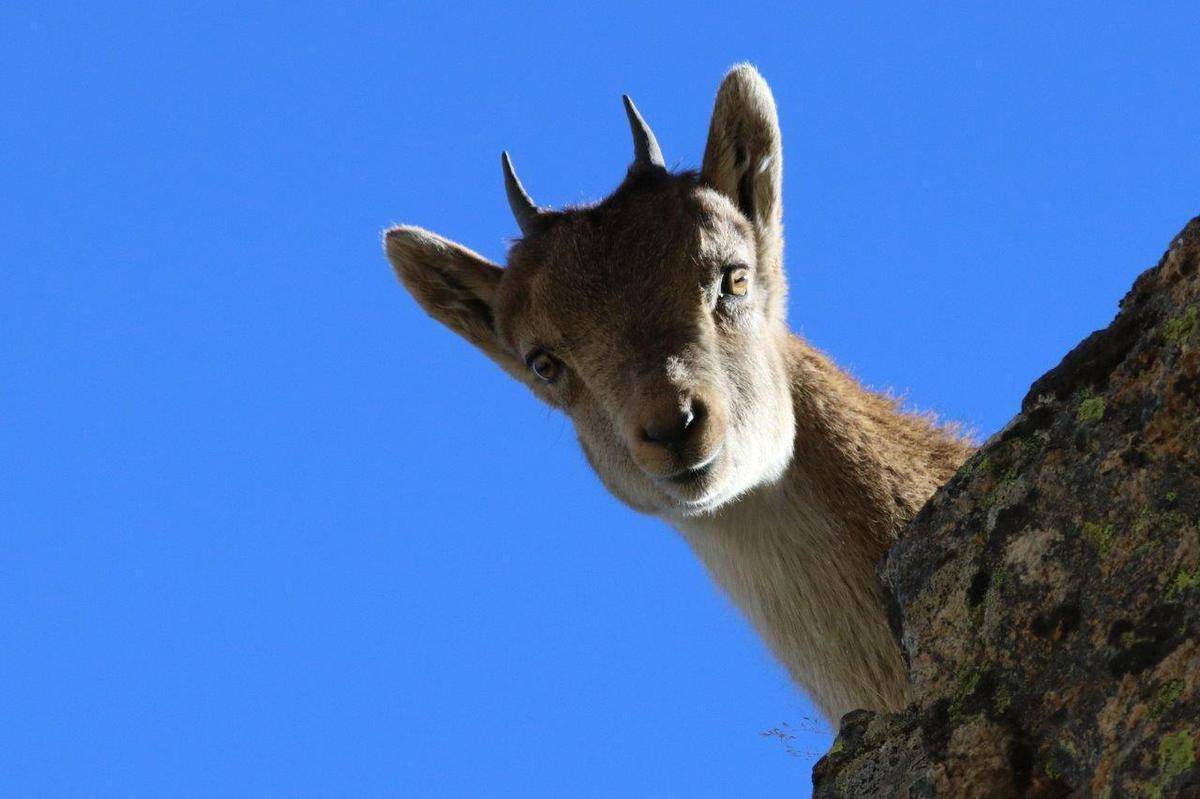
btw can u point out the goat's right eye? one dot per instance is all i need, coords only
(544, 365)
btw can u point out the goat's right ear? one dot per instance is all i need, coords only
(454, 285)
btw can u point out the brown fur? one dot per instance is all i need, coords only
(787, 477)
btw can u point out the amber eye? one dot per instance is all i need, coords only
(544, 365)
(736, 281)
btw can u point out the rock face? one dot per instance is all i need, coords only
(1048, 597)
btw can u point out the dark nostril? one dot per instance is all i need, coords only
(671, 428)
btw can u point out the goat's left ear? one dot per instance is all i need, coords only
(454, 285)
(744, 157)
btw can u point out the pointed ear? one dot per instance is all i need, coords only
(454, 285)
(744, 158)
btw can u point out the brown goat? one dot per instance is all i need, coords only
(656, 320)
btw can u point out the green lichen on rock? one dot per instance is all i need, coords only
(1091, 408)
(967, 683)
(1166, 698)
(1176, 754)
(1176, 757)
(1048, 598)
(1002, 699)
(1184, 581)
(1100, 536)
(1181, 328)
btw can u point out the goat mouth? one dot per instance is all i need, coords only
(694, 474)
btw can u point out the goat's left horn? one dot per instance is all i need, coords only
(645, 147)
(523, 207)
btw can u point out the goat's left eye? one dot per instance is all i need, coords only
(545, 366)
(736, 281)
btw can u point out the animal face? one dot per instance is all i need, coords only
(654, 319)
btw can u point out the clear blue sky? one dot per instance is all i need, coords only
(268, 530)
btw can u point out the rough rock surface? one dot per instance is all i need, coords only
(1048, 597)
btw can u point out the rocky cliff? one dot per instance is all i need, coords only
(1048, 597)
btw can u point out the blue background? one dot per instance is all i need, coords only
(268, 530)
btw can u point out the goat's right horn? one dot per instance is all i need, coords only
(645, 147)
(523, 207)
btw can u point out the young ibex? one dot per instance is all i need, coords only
(656, 320)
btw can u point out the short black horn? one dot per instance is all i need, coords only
(523, 207)
(645, 147)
